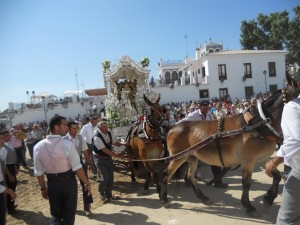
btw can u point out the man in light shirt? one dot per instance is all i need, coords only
(82, 149)
(58, 159)
(289, 153)
(103, 153)
(87, 132)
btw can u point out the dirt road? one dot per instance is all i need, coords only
(137, 209)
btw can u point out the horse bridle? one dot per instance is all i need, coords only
(154, 124)
(267, 120)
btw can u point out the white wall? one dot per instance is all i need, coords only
(177, 94)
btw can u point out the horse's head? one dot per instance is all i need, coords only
(293, 85)
(273, 106)
(156, 110)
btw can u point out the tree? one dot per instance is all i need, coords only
(273, 32)
(293, 38)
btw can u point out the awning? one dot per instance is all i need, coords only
(43, 95)
(73, 92)
(96, 92)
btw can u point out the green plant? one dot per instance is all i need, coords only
(145, 62)
(105, 65)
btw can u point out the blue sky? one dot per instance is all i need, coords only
(44, 42)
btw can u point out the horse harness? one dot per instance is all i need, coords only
(251, 117)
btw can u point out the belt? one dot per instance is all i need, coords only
(97, 156)
(61, 177)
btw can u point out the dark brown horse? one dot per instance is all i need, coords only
(242, 148)
(144, 142)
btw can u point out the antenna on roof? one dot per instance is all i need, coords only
(83, 87)
(76, 76)
(187, 47)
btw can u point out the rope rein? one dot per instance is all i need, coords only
(201, 144)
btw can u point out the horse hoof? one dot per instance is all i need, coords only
(267, 202)
(188, 184)
(165, 204)
(254, 214)
(207, 202)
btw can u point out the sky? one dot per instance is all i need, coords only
(44, 43)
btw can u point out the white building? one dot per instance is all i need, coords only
(215, 72)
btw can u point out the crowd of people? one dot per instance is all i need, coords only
(67, 148)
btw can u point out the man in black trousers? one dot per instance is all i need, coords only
(58, 159)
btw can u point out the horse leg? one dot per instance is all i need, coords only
(273, 190)
(146, 185)
(156, 180)
(190, 180)
(246, 182)
(132, 175)
(167, 174)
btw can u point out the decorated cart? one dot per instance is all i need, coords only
(126, 83)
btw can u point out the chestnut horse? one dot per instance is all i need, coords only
(144, 142)
(242, 148)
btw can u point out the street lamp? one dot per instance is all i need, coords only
(265, 74)
(27, 92)
(43, 97)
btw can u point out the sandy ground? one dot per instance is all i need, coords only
(137, 209)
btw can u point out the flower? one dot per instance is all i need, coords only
(105, 65)
(145, 62)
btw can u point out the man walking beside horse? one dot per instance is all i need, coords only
(289, 153)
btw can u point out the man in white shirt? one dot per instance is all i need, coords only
(103, 153)
(87, 132)
(289, 153)
(58, 159)
(81, 148)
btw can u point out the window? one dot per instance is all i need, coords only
(222, 72)
(204, 93)
(223, 92)
(249, 92)
(174, 76)
(203, 71)
(272, 69)
(168, 77)
(198, 71)
(247, 70)
(273, 87)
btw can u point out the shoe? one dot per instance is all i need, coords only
(115, 197)
(105, 200)
(221, 185)
(87, 210)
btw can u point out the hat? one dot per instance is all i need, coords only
(204, 102)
